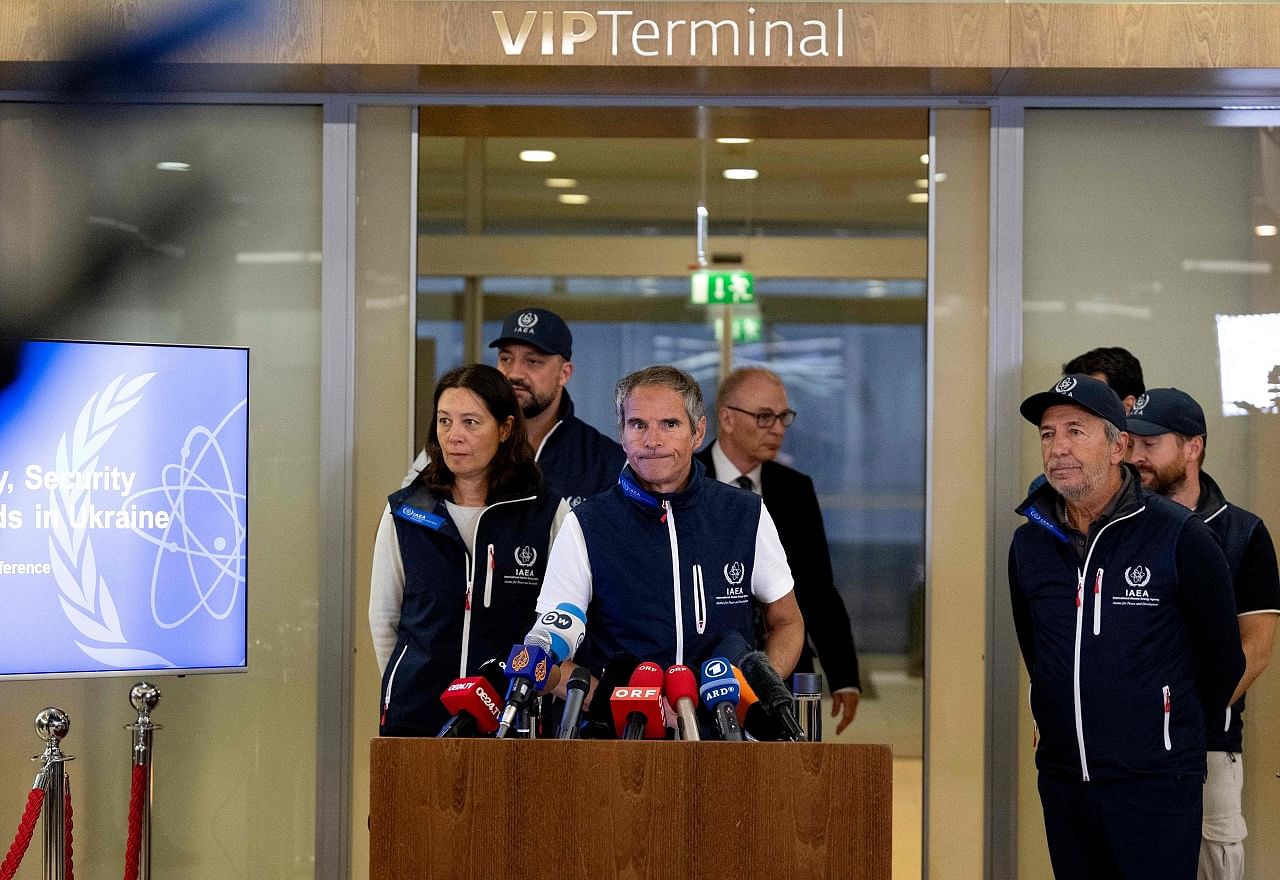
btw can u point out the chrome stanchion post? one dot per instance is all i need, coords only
(144, 697)
(52, 726)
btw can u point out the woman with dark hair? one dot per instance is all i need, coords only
(460, 553)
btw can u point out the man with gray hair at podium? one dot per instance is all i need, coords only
(670, 562)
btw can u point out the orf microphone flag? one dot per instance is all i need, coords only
(681, 690)
(637, 706)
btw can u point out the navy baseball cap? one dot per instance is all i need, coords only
(544, 330)
(1079, 390)
(1165, 411)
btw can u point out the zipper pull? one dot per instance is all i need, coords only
(382, 721)
(1079, 592)
(491, 563)
(467, 606)
(1097, 583)
(1168, 701)
(663, 518)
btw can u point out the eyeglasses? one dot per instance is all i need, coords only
(766, 418)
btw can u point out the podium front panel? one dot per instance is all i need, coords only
(476, 808)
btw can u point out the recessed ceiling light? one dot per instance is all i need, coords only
(741, 174)
(918, 198)
(922, 183)
(173, 166)
(537, 156)
(734, 140)
(1264, 231)
(924, 158)
(573, 198)
(561, 182)
(940, 177)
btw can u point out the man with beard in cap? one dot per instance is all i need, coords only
(1169, 436)
(1124, 614)
(535, 353)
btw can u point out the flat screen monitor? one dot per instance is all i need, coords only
(1249, 362)
(123, 509)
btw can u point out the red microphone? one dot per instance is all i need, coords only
(638, 712)
(474, 703)
(681, 690)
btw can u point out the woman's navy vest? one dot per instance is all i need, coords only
(442, 636)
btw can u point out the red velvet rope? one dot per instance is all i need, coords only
(71, 874)
(134, 846)
(22, 840)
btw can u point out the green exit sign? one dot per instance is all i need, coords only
(744, 329)
(747, 330)
(722, 288)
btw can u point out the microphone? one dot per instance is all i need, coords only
(599, 714)
(681, 690)
(637, 706)
(475, 702)
(575, 692)
(719, 693)
(733, 647)
(747, 699)
(773, 693)
(528, 669)
(565, 627)
(755, 719)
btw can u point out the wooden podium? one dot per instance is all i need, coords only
(597, 810)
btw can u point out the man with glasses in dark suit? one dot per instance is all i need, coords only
(752, 417)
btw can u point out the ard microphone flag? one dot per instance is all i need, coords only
(719, 693)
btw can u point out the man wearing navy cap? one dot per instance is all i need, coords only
(1123, 609)
(535, 353)
(1169, 436)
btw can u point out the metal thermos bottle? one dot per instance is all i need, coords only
(807, 689)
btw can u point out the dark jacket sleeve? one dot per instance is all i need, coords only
(1204, 583)
(1021, 612)
(1257, 579)
(825, 617)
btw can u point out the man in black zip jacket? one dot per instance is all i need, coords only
(535, 353)
(1169, 437)
(1124, 614)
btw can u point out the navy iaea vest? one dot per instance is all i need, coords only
(671, 574)
(1113, 691)
(458, 612)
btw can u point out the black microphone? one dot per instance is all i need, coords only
(599, 714)
(772, 692)
(575, 691)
